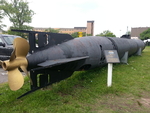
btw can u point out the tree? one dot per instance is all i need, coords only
(106, 33)
(128, 32)
(18, 13)
(145, 34)
(1, 25)
(52, 30)
(89, 34)
(74, 35)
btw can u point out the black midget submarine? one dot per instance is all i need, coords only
(54, 57)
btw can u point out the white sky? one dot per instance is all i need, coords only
(113, 15)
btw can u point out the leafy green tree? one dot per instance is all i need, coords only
(106, 33)
(18, 13)
(1, 25)
(74, 35)
(128, 32)
(52, 30)
(145, 34)
(89, 34)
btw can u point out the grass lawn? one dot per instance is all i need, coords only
(87, 92)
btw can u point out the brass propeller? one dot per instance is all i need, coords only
(17, 59)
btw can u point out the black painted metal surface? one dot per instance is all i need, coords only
(38, 40)
(57, 59)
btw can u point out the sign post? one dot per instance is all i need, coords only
(111, 57)
(109, 75)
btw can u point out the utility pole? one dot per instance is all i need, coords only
(127, 30)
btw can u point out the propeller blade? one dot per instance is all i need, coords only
(24, 69)
(15, 79)
(13, 56)
(21, 47)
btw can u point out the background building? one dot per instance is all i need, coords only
(135, 32)
(88, 30)
(90, 27)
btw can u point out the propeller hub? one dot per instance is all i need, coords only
(16, 63)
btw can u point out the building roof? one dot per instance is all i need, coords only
(90, 21)
(79, 27)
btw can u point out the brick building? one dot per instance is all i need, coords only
(135, 32)
(88, 30)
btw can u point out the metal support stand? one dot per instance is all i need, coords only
(125, 58)
(45, 77)
(139, 52)
(109, 76)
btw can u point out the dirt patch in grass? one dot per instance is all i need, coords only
(122, 104)
(144, 102)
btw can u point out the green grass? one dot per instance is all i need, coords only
(87, 92)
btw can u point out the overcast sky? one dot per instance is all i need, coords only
(113, 15)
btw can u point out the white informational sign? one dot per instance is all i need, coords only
(111, 57)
